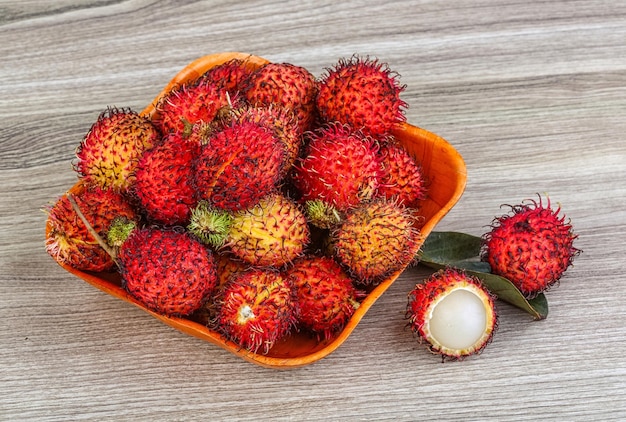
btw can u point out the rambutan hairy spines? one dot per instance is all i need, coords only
(401, 175)
(340, 166)
(163, 181)
(287, 86)
(190, 104)
(167, 270)
(363, 93)
(229, 75)
(257, 309)
(453, 313)
(239, 165)
(325, 293)
(69, 241)
(108, 153)
(273, 232)
(375, 239)
(532, 246)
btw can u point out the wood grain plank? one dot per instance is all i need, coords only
(532, 93)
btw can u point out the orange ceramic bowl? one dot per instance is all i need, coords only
(444, 168)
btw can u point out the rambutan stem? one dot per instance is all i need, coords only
(90, 228)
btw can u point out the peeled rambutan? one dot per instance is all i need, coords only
(375, 239)
(70, 242)
(363, 93)
(163, 181)
(257, 309)
(401, 176)
(167, 270)
(532, 247)
(325, 294)
(341, 167)
(272, 232)
(286, 86)
(108, 153)
(453, 312)
(239, 165)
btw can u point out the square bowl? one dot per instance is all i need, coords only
(443, 167)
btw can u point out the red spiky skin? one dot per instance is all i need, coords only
(376, 239)
(532, 246)
(281, 121)
(228, 76)
(401, 176)
(326, 296)
(188, 105)
(341, 167)
(108, 153)
(257, 309)
(163, 181)
(422, 297)
(67, 239)
(287, 86)
(168, 271)
(273, 232)
(239, 165)
(363, 93)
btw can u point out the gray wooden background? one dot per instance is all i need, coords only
(533, 95)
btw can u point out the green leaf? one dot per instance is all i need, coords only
(450, 247)
(462, 251)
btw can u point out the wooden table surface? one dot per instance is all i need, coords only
(532, 94)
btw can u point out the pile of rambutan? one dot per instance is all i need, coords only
(262, 200)
(258, 199)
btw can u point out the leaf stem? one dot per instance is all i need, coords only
(90, 228)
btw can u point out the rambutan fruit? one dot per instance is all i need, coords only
(325, 294)
(69, 241)
(228, 76)
(108, 153)
(272, 232)
(286, 86)
(363, 93)
(532, 246)
(375, 239)
(257, 309)
(454, 313)
(167, 270)
(282, 121)
(341, 167)
(239, 165)
(190, 104)
(163, 181)
(401, 176)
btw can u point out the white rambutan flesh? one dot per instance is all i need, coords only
(459, 320)
(453, 312)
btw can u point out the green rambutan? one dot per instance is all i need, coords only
(272, 232)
